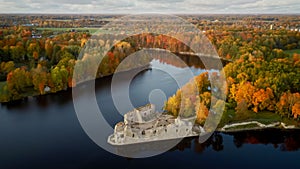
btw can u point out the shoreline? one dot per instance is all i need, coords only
(33, 93)
(230, 131)
(276, 125)
(36, 94)
(255, 129)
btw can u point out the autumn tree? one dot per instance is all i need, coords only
(288, 104)
(296, 110)
(5, 68)
(263, 99)
(18, 82)
(39, 78)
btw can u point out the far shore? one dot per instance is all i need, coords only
(37, 94)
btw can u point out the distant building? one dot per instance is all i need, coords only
(47, 89)
(36, 36)
(30, 24)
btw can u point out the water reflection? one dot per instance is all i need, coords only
(280, 140)
(215, 142)
(43, 102)
(189, 60)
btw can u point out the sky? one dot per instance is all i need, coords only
(151, 6)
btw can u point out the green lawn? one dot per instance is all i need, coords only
(291, 52)
(264, 117)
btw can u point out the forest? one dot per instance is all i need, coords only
(262, 77)
(263, 73)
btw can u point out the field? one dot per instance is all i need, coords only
(91, 30)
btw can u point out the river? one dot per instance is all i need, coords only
(44, 132)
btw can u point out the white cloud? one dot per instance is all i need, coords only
(138, 6)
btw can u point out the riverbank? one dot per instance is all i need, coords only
(254, 126)
(33, 93)
(248, 120)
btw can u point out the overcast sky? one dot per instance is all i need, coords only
(157, 6)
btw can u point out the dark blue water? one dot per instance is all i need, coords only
(44, 132)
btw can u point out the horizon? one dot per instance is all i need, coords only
(70, 13)
(147, 6)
